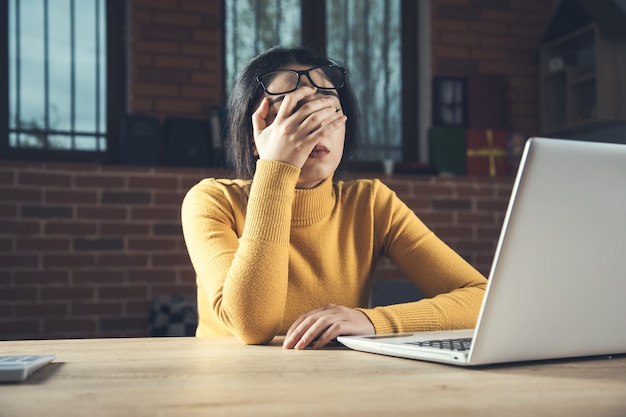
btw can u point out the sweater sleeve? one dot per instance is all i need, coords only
(453, 289)
(244, 277)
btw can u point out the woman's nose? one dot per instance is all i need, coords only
(304, 81)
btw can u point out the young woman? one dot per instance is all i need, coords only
(287, 250)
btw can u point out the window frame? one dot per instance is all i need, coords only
(115, 73)
(314, 36)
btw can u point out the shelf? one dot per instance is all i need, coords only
(581, 80)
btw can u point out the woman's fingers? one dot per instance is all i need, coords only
(302, 120)
(318, 327)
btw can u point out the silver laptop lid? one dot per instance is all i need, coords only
(558, 280)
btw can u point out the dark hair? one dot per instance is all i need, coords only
(247, 95)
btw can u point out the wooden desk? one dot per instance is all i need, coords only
(219, 376)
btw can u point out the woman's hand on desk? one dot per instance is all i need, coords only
(318, 327)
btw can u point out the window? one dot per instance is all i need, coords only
(61, 86)
(253, 26)
(367, 36)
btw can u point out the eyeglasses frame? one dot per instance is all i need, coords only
(300, 73)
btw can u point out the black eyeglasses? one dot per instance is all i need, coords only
(326, 77)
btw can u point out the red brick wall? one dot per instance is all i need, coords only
(494, 37)
(176, 63)
(84, 248)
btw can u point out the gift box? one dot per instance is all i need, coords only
(447, 150)
(487, 152)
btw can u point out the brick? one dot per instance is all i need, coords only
(20, 194)
(106, 308)
(47, 212)
(196, 49)
(457, 12)
(44, 179)
(99, 276)
(185, 20)
(156, 89)
(474, 191)
(18, 261)
(475, 218)
(165, 32)
(6, 278)
(417, 203)
(151, 244)
(181, 259)
(496, 205)
(7, 177)
(70, 197)
(153, 182)
(152, 276)
(124, 323)
(8, 210)
(41, 310)
(454, 66)
(179, 106)
(212, 8)
(186, 275)
(19, 228)
(67, 293)
(101, 213)
(42, 244)
(6, 244)
(174, 289)
(135, 307)
(14, 328)
(122, 260)
(488, 232)
(69, 260)
(452, 204)
(100, 181)
(169, 198)
(123, 293)
(102, 244)
(124, 229)
(165, 75)
(19, 294)
(151, 5)
(70, 326)
(70, 228)
(154, 46)
(6, 311)
(155, 213)
(40, 277)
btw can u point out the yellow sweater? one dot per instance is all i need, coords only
(260, 264)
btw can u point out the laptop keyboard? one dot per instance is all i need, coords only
(458, 345)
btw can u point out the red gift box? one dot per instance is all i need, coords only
(486, 152)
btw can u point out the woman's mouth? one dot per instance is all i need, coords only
(319, 151)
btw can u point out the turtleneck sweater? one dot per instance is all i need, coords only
(264, 257)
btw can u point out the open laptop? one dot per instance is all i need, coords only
(557, 286)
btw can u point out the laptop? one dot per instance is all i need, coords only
(557, 285)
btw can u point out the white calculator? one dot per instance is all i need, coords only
(17, 368)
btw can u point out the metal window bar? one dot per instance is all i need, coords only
(18, 72)
(46, 76)
(98, 62)
(72, 74)
(19, 128)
